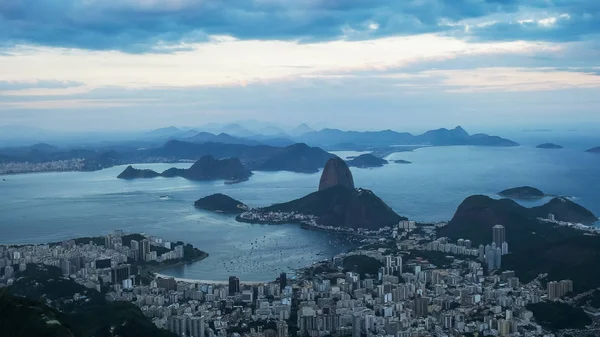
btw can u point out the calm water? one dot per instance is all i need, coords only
(37, 208)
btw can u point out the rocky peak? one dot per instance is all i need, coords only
(336, 172)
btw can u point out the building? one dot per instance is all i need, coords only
(421, 305)
(234, 285)
(135, 248)
(144, 249)
(196, 326)
(504, 248)
(282, 281)
(282, 329)
(551, 217)
(499, 235)
(120, 273)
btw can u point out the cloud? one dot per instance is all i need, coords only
(138, 26)
(37, 84)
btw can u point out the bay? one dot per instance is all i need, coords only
(46, 207)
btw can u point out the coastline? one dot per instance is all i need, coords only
(187, 280)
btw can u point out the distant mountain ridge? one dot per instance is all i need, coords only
(439, 137)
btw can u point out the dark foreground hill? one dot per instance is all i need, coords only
(63, 316)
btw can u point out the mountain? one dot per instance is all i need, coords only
(477, 214)
(221, 203)
(367, 160)
(206, 168)
(336, 172)
(337, 203)
(594, 150)
(301, 129)
(206, 137)
(237, 130)
(439, 137)
(523, 192)
(340, 206)
(133, 173)
(209, 168)
(549, 146)
(297, 158)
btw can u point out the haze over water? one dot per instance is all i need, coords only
(47, 207)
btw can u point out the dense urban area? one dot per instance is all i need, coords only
(403, 282)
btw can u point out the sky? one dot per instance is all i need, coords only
(351, 64)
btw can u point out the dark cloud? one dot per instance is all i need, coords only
(138, 26)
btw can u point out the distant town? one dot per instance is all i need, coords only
(413, 284)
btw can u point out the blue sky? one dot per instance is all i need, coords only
(354, 64)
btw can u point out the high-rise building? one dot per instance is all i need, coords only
(108, 241)
(120, 273)
(504, 248)
(282, 329)
(135, 247)
(356, 325)
(499, 235)
(399, 264)
(196, 326)
(234, 285)
(552, 288)
(388, 261)
(551, 217)
(144, 249)
(282, 281)
(421, 305)
(498, 258)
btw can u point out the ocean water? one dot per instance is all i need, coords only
(36, 208)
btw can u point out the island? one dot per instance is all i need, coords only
(221, 203)
(549, 146)
(206, 168)
(594, 150)
(523, 192)
(133, 173)
(366, 160)
(400, 161)
(337, 204)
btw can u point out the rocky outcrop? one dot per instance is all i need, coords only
(133, 173)
(336, 172)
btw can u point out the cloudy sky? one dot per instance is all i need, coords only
(360, 64)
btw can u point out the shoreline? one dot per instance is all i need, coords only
(187, 280)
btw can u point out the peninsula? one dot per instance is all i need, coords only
(336, 204)
(221, 203)
(523, 192)
(549, 146)
(206, 168)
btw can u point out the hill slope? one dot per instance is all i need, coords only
(340, 206)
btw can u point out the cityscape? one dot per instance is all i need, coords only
(409, 295)
(299, 168)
